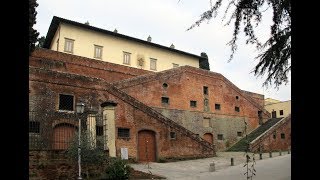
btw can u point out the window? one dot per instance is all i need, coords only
(205, 90)
(193, 103)
(126, 58)
(175, 65)
(239, 134)
(220, 136)
(97, 51)
(274, 135)
(217, 106)
(99, 130)
(260, 117)
(206, 122)
(237, 109)
(153, 64)
(274, 114)
(172, 135)
(237, 97)
(164, 100)
(165, 85)
(68, 45)
(283, 136)
(123, 133)
(65, 102)
(281, 112)
(34, 127)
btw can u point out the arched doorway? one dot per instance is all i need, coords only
(208, 137)
(62, 136)
(147, 146)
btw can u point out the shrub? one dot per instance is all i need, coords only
(117, 169)
(90, 155)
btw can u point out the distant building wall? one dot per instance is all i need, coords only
(270, 101)
(113, 49)
(281, 109)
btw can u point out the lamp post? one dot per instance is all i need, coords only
(79, 110)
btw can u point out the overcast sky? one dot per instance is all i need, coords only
(166, 22)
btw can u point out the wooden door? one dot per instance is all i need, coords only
(62, 136)
(208, 137)
(147, 146)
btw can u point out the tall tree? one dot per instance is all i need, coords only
(275, 53)
(33, 34)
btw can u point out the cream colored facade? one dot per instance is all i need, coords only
(270, 101)
(114, 48)
(277, 106)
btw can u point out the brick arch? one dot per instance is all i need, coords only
(147, 145)
(208, 137)
(65, 121)
(63, 134)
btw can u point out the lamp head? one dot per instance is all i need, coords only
(80, 108)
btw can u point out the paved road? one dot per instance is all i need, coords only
(276, 168)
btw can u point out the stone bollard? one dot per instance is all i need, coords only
(212, 167)
(260, 155)
(270, 154)
(280, 153)
(232, 162)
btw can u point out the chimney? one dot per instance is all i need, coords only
(172, 46)
(115, 30)
(149, 39)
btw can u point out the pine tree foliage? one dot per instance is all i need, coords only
(33, 34)
(275, 54)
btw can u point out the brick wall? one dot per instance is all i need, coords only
(59, 61)
(48, 165)
(258, 98)
(93, 92)
(226, 125)
(185, 84)
(136, 120)
(188, 86)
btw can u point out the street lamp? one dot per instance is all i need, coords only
(79, 110)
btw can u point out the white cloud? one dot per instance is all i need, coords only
(166, 22)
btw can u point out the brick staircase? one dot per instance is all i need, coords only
(254, 144)
(242, 145)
